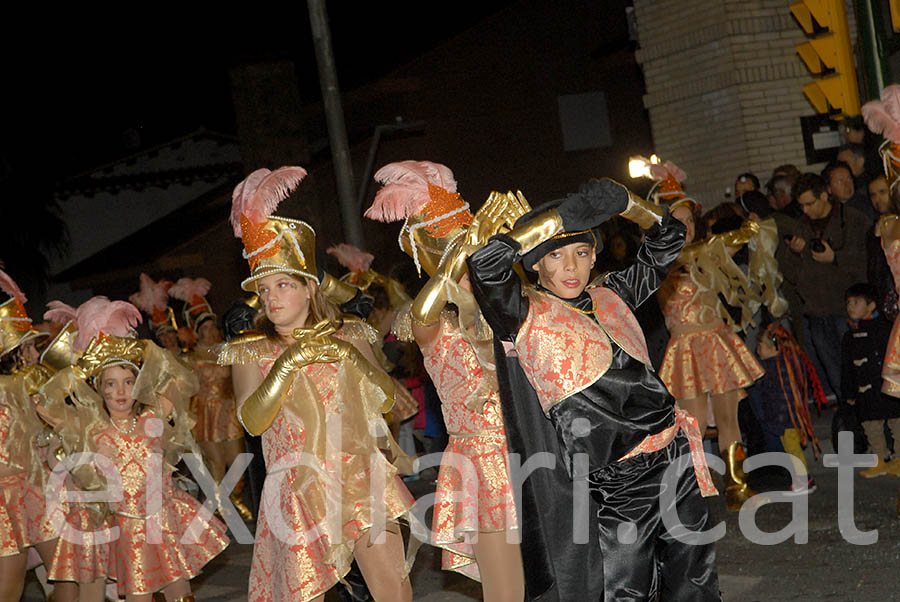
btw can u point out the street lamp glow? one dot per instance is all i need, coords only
(638, 167)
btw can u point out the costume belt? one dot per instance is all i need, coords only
(686, 422)
(491, 434)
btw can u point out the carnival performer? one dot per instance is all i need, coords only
(152, 298)
(474, 507)
(24, 523)
(309, 384)
(577, 353)
(217, 432)
(130, 398)
(883, 117)
(706, 363)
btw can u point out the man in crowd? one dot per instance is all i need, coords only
(827, 254)
(842, 189)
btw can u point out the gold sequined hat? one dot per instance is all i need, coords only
(60, 351)
(272, 244)
(15, 325)
(193, 292)
(153, 299)
(105, 351)
(106, 334)
(668, 190)
(423, 194)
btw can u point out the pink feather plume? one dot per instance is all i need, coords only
(352, 258)
(152, 295)
(9, 286)
(258, 195)
(404, 188)
(99, 314)
(59, 312)
(883, 116)
(188, 288)
(660, 171)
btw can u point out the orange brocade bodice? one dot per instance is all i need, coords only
(682, 306)
(458, 377)
(563, 351)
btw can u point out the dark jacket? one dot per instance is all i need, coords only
(862, 356)
(822, 285)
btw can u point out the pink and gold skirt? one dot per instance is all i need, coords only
(473, 495)
(84, 551)
(216, 420)
(710, 360)
(23, 522)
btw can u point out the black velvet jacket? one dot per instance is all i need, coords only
(621, 408)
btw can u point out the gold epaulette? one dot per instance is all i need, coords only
(246, 348)
(354, 328)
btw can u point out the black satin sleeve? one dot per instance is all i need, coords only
(497, 287)
(662, 245)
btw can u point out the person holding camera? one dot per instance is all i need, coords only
(828, 254)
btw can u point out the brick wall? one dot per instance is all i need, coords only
(724, 88)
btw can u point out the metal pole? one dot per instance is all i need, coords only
(337, 131)
(380, 130)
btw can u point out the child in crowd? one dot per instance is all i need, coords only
(862, 357)
(780, 399)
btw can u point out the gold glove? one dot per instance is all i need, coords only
(741, 236)
(642, 212)
(336, 290)
(537, 230)
(313, 345)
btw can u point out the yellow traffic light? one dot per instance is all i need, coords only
(895, 15)
(831, 50)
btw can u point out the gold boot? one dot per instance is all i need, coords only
(736, 489)
(238, 501)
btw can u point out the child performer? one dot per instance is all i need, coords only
(474, 505)
(310, 386)
(24, 523)
(706, 363)
(218, 432)
(780, 399)
(583, 355)
(165, 537)
(862, 357)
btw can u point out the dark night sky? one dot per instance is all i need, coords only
(70, 103)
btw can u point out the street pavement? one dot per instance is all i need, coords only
(826, 568)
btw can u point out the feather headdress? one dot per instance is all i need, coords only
(883, 116)
(152, 296)
(9, 286)
(406, 188)
(259, 194)
(59, 312)
(187, 289)
(100, 315)
(352, 258)
(668, 189)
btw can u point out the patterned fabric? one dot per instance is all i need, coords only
(687, 423)
(22, 519)
(213, 405)
(703, 355)
(473, 488)
(83, 552)
(159, 539)
(563, 351)
(296, 556)
(891, 368)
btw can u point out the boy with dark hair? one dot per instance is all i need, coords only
(862, 356)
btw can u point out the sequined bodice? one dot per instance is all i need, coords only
(679, 305)
(136, 455)
(457, 375)
(215, 380)
(5, 423)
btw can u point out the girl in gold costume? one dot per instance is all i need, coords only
(23, 521)
(129, 406)
(310, 386)
(474, 506)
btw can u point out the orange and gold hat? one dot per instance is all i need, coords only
(423, 194)
(153, 299)
(196, 308)
(668, 190)
(15, 326)
(272, 244)
(883, 117)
